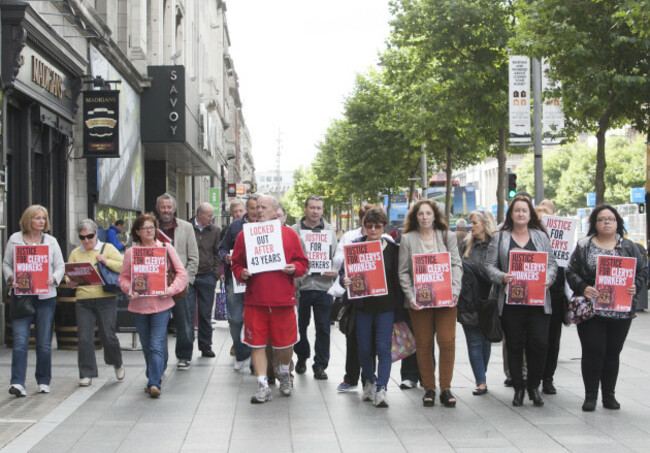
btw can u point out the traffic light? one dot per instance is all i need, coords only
(512, 184)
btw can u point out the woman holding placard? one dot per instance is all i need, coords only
(524, 321)
(95, 305)
(33, 224)
(152, 312)
(426, 232)
(603, 335)
(377, 314)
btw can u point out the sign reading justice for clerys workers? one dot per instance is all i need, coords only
(31, 269)
(432, 280)
(562, 233)
(149, 271)
(317, 247)
(364, 265)
(614, 275)
(264, 248)
(529, 272)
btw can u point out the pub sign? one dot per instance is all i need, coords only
(101, 123)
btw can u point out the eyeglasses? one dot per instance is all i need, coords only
(606, 220)
(88, 236)
(147, 228)
(374, 226)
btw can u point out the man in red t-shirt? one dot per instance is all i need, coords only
(270, 304)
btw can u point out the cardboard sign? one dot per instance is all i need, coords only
(432, 280)
(614, 275)
(364, 265)
(562, 233)
(317, 249)
(31, 269)
(83, 274)
(238, 287)
(264, 248)
(529, 284)
(149, 271)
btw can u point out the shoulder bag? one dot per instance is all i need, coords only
(489, 322)
(22, 306)
(111, 283)
(171, 276)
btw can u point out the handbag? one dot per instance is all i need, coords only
(111, 279)
(220, 309)
(22, 306)
(489, 322)
(579, 309)
(171, 276)
(403, 342)
(346, 319)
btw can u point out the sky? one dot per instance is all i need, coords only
(296, 61)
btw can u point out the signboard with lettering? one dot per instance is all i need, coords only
(31, 269)
(317, 250)
(614, 275)
(529, 284)
(432, 280)
(562, 233)
(149, 271)
(215, 200)
(101, 123)
(264, 247)
(364, 266)
(83, 274)
(162, 109)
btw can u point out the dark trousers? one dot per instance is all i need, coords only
(352, 364)
(321, 303)
(554, 334)
(201, 294)
(184, 331)
(103, 312)
(602, 341)
(525, 327)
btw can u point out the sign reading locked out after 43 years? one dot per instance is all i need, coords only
(264, 248)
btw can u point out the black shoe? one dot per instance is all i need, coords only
(548, 388)
(429, 398)
(320, 374)
(518, 400)
(609, 402)
(480, 391)
(208, 352)
(508, 382)
(271, 380)
(301, 366)
(590, 402)
(535, 397)
(446, 398)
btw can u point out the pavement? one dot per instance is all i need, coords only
(207, 408)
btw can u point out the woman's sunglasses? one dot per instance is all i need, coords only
(88, 236)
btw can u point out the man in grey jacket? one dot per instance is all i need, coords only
(181, 235)
(313, 289)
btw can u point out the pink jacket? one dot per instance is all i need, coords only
(148, 305)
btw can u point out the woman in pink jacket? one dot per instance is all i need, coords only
(152, 312)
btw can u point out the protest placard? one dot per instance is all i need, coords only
(237, 286)
(529, 284)
(149, 271)
(317, 250)
(31, 269)
(364, 265)
(264, 248)
(562, 233)
(83, 274)
(432, 280)
(614, 275)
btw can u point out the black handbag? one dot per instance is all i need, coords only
(489, 322)
(346, 319)
(111, 279)
(22, 306)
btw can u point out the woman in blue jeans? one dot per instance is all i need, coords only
(378, 314)
(473, 250)
(33, 224)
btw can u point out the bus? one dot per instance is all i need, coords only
(399, 206)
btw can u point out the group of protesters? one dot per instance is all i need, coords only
(269, 311)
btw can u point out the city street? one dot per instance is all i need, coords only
(207, 408)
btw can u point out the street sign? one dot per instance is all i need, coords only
(591, 199)
(215, 200)
(637, 195)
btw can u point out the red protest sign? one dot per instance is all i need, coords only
(364, 265)
(432, 280)
(149, 271)
(84, 274)
(31, 269)
(614, 275)
(529, 284)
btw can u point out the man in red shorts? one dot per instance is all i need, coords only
(270, 304)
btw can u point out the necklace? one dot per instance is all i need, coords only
(29, 241)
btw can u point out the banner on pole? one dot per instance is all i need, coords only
(519, 98)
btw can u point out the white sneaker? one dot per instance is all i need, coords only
(263, 394)
(43, 388)
(369, 390)
(120, 372)
(241, 365)
(408, 384)
(17, 390)
(381, 400)
(286, 386)
(85, 381)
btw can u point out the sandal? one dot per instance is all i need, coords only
(429, 398)
(446, 398)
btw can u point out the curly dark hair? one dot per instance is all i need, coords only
(411, 222)
(593, 219)
(139, 222)
(533, 224)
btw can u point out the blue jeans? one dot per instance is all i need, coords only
(235, 306)
(152, 330)
(43, 318)
(321, 302)
(201, 293)
(479, 352)
(383, 327)
(184, 330)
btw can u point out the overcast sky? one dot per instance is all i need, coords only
(296, 61)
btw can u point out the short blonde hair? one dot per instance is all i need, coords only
(28, 214)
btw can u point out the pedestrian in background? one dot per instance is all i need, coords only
(96, 306)
(34, 222)
(461, 230)
(112, 235)
(602, 337)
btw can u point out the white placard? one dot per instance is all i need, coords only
(264, 248)
(237, 286)
(519, 98)
(317, 249)
(562, 233)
